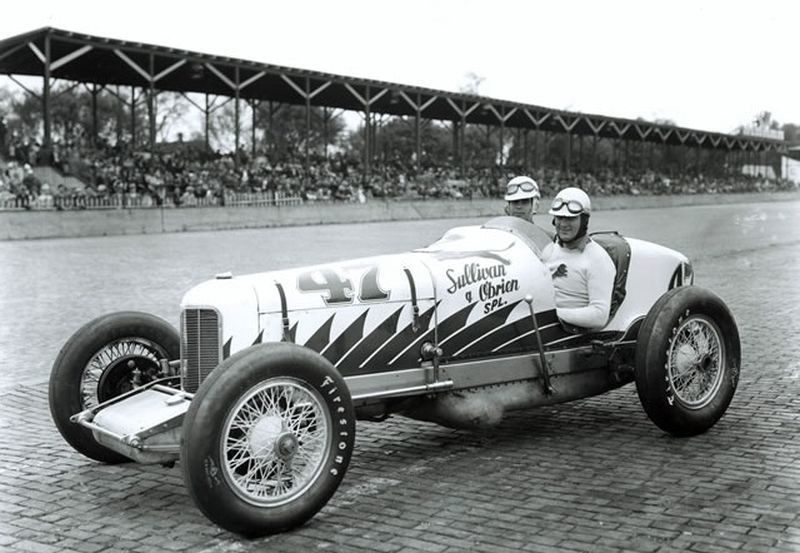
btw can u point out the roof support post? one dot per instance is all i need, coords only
(614, 143)
(270, 122)
(253, 121)
(94, 93)
(325, 129)
(733, 159)
(683, 157)
(462, 143)
(454, 139)
(207, 122)
(502, 137)
(367, 100)
(524, 133)
(367, 146)
(462, 112)
(628, 155)
(151, 106)
(568, 159)
(133, 117)
(236, 160)
(743, 160)
(418, 135)
(698, 157)
(307, 95)
(119, 112)
(418, 107)
(47, 146)
(307, 157)
(502, 116)
(373, 139)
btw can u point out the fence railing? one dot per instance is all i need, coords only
(137, 201)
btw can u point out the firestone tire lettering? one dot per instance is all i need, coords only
(237, 501)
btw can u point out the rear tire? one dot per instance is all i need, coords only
(687, 361)
(267, 439)
(97, 364)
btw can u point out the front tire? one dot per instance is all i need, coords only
(98, 362)
(687, 361)
(267, 439)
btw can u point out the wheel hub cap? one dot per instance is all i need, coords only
(264, 435)
(286, 446)
(276, 440)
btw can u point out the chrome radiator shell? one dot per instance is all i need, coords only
(201, 345)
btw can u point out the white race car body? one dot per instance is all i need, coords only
(467, 290)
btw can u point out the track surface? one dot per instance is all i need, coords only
(593, 475)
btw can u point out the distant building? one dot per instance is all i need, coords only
(760, 131)
(790, 166)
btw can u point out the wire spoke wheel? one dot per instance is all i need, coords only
(688, 358)
(276, 442)
(106, 357)
(694, 361)
(267, 438)
(108, 372)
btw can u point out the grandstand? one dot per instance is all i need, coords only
(143, 176)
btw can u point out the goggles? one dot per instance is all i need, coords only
(573, 206)
(525, 187)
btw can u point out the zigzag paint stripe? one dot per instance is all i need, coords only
(342, 344)
(397, 344)
(501, 336)
(411, 356)
(551, 334)
(554, 340)
(548, 326)
(321, 337)
(370, 343)
(457, 341)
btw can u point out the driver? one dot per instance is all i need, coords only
(522, 198)
(583, 272)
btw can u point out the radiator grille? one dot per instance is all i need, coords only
(200, 346)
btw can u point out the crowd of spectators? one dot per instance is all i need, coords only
(187, 174)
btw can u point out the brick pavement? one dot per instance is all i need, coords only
(593, 475)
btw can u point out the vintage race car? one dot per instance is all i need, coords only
(258, 394)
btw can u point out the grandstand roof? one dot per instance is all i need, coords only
(106, 61)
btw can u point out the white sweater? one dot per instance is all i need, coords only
(584, 280)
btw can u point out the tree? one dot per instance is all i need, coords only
(764, 120)
(71, 113)
(283, 129)
(472, 83)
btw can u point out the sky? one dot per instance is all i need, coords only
(709, 65)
